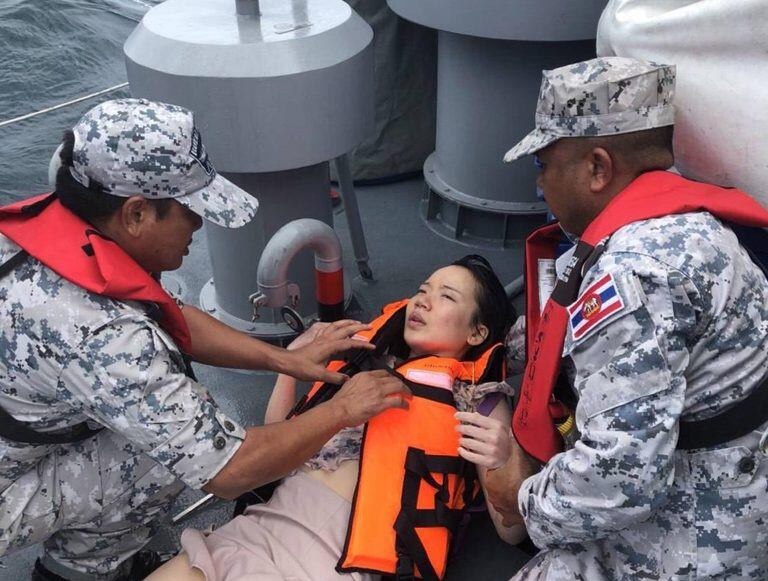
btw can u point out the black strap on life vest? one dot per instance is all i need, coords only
(420, 467)
(17, 431)
(751, 412)
(14, 261)
(359, 360)
(737, 421)
(388, 338)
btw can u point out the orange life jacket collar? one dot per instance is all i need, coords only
(72, 248)
(652, 195)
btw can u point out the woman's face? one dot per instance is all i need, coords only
(439, 316)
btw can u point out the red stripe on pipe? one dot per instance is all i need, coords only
(329, 287)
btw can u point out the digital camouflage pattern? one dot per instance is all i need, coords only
(692, 340)
(137, 147)
(67, 356)
(602, 96)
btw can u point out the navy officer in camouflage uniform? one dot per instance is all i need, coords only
(138, 173)
(686, 340)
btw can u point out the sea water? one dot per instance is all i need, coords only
(52, 51)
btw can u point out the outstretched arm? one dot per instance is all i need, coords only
(282, 400)
(214, 343)
(271, 451)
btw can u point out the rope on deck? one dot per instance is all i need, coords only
(61, 105)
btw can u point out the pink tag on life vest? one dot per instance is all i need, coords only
(432, 378)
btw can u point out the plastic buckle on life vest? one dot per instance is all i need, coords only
(404, 568)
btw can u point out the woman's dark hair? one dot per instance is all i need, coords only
(493, 309)
(92, 204)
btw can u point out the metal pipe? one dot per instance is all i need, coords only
(247, 7)
(288, 241)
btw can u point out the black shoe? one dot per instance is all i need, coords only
(142, 564)
(40, 573)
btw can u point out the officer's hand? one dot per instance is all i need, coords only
(311, 350)
(484, 440)
(368, 394)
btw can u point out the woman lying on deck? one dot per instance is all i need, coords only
(404, 470)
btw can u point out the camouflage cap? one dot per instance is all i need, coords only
(137, 147)
(602, 96)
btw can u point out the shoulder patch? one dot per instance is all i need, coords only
(599, 303)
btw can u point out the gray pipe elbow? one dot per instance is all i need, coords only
(287, 242)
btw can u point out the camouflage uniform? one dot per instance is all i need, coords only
(690, 341)
(68, 355)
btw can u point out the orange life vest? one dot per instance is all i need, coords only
(652, 195)
(72, 248)
(412, 485)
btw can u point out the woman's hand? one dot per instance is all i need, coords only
(484, 441)
(311, 350)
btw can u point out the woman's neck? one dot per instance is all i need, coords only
(413, 355)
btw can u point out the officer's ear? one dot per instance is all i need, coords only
(135, 215)
(478, 335)
(601, 169)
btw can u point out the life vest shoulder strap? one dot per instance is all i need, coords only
(18, 431)
(661, 193)
(737, 421)
(383, 330)
(10, 265)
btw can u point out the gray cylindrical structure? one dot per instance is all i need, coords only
(490, 57)
(278, 90)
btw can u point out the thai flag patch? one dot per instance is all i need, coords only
(598, 303)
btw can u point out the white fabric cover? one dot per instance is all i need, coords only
(720, 48)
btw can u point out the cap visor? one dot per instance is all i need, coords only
(531, 143)
(222, 203)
